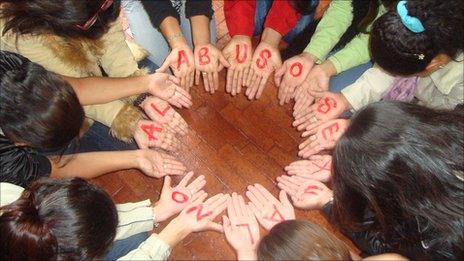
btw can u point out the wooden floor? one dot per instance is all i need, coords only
(234, 142)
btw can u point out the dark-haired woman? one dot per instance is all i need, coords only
(418, 50)
(75, 38)
(403, 191)
(273, 21)
(337, 54)
(73, 219)
(42, 116)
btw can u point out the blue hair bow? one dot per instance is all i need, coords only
(411, 22)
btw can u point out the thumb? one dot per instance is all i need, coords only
(165, 66)
(174, 79)
(318, 94)
(223, 60)
(279, 73)
(284, 198)
(166, 183)
(226, 224)
(214, 227)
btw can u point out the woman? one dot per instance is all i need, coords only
(73, 219)
(403, 191)
(76, 38)
(42, 118)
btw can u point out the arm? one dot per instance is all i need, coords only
(99, 90)
(329, 30)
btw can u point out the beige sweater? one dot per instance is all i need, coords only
(83, 58)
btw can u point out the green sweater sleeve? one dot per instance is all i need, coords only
(356, 52)
(330, 29)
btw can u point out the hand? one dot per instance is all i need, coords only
(161, 112)
(329, 106)
(266, 59)
(268, 210)
(151, 134)
(305, 193)
(157, 164)
(318, 167)
(241, 228)
(238, 53)
(303, 99)
(199, 216)
(319, 76)
(165, 87)
(209, 61)
(174, 199)
(182, 63)
(323, 137)
(292, 74)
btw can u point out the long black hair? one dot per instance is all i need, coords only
(57, 17)
(405, 164)
(402, 52)
(67, 219)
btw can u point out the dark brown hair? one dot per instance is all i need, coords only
(58, 219)
(301, 240)
(56, 17)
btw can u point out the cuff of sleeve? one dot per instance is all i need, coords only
(133, 205)
(157, 248)
(351, 96)
(125, 122)
(337, 63)
(241, 31)
(320, 57)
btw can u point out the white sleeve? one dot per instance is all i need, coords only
(370, 87)
(134, 218)
(9, 193)
(151, 249)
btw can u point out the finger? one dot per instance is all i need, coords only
(292, 192)
(197, 77)
(235, 82)
(183, 82)
(236, 205)
(265, 193)
(164, 66)
(284, 198)
(262, 200)
(259, 203)
(216, 80)
(279, 73)
(226, 225)
(199, 196)
(215, 227)
(317, 94)
(230, 75)
(192, 78)
(213, 199)
(231, 207)
(184, 181)
(166, 183)
(246, 73)
(252, 88)
(223, 61)
(254, 209)
(242, 205)
(206, 82)
(239, 82)
(212, 89)
(220, 205)
(262, 85)
(285, 181)
(251, 74)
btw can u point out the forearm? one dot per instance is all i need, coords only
(200, 29)
(174, 232)
(271, 36)
(93, 164)
(100, 90)
(170, 29)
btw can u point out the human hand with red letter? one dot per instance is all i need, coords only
(157, 164)
(241, 228)
(323, 137)
(329, 106)
(182, 63)
(161, 112)
(174, 199)
(199, 215)
(265, 60)
(238, 53)
(319, 76)
(318, 167)
(292, 74)
(305, 193)
(268, 210)
(152, 134)
(209, 61)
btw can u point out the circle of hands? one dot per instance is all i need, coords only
(316, 113)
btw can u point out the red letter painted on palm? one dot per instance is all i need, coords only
(200, 215)
(203, 56)
(161, 112)
(330, 130)
(326, 166)
(182, 58)
(183, 198)
(249, 231)
(326, 104)
(298, 71)
(262, 62)
(310, 189)
(149, 130)
(237, 53)
(276, 212)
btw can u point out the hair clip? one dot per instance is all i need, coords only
(420, 56)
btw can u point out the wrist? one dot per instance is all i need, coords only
(329, 68)
(309, 57)
(240, 37)
(328, 198)
(271, 37)
(175, 232)
(177, 42)
(160, 212)
(246, 254)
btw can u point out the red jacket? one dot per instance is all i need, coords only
(240, 16)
